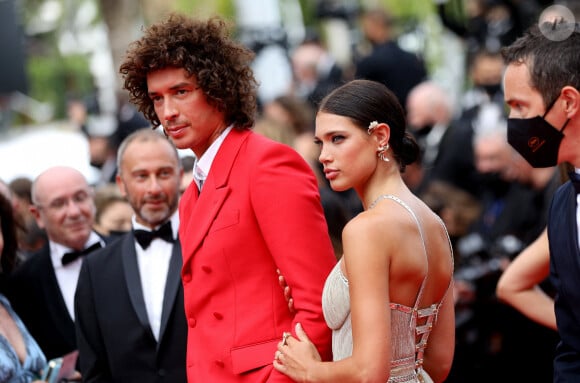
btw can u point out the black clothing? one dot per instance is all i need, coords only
(399, 70)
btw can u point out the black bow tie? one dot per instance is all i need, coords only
(73, 255)
(575, 178)
(145, 237)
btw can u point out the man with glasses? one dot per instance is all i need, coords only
(42, 289)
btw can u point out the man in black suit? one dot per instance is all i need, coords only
(316, 72)
(542, 90)
(387, 63)
(130, 319)
(42, 289)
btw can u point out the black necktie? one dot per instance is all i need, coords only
(73, 255)
(575, 178)
(144, 237)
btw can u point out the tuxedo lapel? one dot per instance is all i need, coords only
(53, 296)
(568, 218)
(204, 211)
(131, 271)
(222, 165)
(571, 220)
(215, 190)
(171, 288)
(563, 233)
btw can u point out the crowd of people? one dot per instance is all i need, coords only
(270, 250)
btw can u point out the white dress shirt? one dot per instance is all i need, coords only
(68, 276)
(153, 266)
(202, 165)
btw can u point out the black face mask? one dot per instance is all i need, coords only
(536, 139)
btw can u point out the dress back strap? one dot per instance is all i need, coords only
(450, 250)
(408, 208)
(428, 314)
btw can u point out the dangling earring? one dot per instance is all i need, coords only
(382, 151)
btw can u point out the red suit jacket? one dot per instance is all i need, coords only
(259, 210)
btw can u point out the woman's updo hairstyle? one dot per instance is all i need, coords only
(365, 101)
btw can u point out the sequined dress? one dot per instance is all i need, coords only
(11, 369)
(408, 339)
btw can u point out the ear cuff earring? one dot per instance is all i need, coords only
(382, 150)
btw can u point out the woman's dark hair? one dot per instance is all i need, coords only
(204, 50)
(8, 225)
(363, 102)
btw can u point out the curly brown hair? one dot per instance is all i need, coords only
(220, 65)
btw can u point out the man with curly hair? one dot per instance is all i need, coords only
(253, 207)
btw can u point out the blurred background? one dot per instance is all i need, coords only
(61, 56)
(61, 103)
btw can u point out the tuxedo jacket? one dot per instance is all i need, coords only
(565, 276)
(259, 210)
(35, 295)
(115, 340)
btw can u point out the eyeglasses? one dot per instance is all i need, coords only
(79, 198)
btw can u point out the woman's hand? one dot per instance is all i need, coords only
(287, 292)
(297, 358)
(75, 376)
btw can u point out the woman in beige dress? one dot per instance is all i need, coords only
(389, 299)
